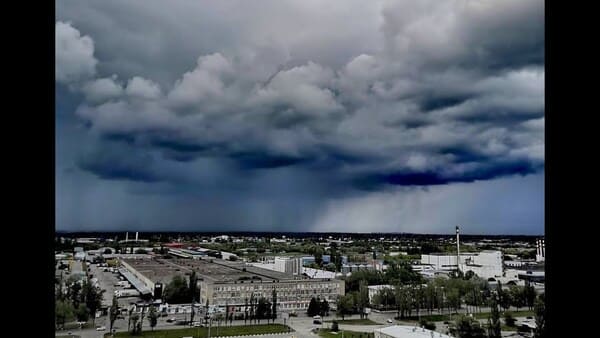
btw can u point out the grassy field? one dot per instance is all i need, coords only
(203, 332)
(505, 327)
(326, 333)
(354, 321)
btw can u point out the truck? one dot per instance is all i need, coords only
(123, 283)
(127, 293)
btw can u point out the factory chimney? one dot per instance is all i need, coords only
(136, 236)
(126, 236)
(457, 249)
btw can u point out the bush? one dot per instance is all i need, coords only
(334, 326)
(509, 319)
(426, 324)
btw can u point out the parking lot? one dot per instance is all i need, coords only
(107, 281)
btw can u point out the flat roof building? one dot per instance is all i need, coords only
(485, 264)
(224, 282)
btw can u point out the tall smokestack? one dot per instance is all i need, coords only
(136, 236)
(543, 245)
(457, 248)
(126, 236)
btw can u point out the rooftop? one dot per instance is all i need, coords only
(215, 270)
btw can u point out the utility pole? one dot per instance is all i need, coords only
(457, 249)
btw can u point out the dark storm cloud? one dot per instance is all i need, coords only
(260, 160)
(434, 103)
(113, 164)
(368, 96)
(483, 172)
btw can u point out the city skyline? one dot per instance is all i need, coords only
(293, 116)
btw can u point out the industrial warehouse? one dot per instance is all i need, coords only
(222, 282)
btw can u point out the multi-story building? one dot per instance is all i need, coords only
(224, 283)
(289, 265)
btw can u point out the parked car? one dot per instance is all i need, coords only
(101, 328)
(170, 320)
(390, 320)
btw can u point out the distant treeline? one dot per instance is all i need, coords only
(314, 235)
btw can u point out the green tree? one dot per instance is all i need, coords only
(319, 256)
(252, 307)
(130, 312)
(134, 320)
(274, 300)
(540, 317)
(114, 312)
(74, 293)
(345, 305)
(92, 298)
(313, 307)
(334, 326)
(517, 296)
(324, 308)
(152, 317)
(494, 325)
(503, 297)
(245, 310)
(263, 309)
(427, 324)
(363, 297)
(509, 319)
(402, 299)
(468, 328)
(177, 291)
(141, 322)
(529, 295)
(64, 311)
(453, 297)
(193, 286)
(82, 313)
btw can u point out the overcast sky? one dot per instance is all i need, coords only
(387, 116)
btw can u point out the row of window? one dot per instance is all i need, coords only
(283, 287)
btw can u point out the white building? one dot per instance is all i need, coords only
(485, 264)
(405, 331)
(291, 265)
